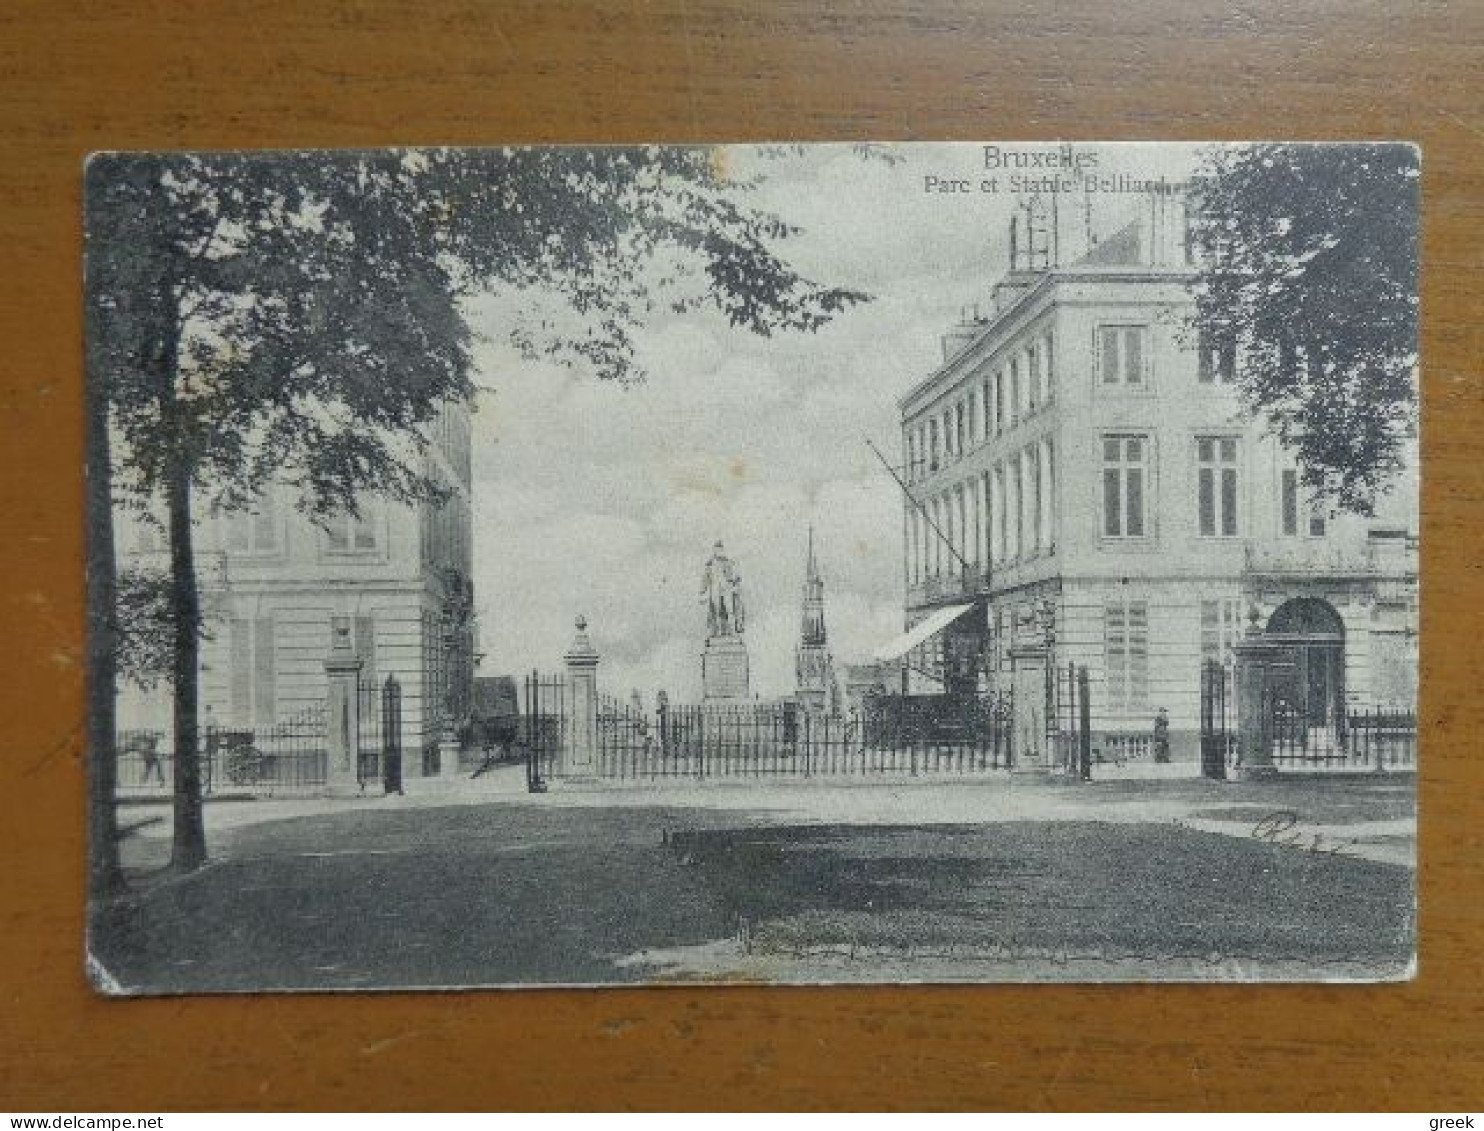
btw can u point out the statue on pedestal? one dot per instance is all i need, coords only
(724, 668)
(721, 590)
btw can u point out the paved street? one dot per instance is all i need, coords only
(925, 881)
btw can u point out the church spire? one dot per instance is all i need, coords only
(813, 622)
(815, 669)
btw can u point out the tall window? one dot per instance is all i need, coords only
(917, 545)
(988, 409)
(949, 563)
(1218, 359)
(1122, 351)
(989, 516)
(1033, 455)
(1033, 378)
(1048, 494)
(1312, 517)
(1017, 506)
(973, 415)
(1216, 485)
(960, 494)
(1126, 652)
(252, 672)
(1219, 628)
(1049, 364)
(933, 445)
(958, 429)
(253, 531)
(1014, 389)
(351, 534)
(999, 508)
(1124, 474)
(999, 402)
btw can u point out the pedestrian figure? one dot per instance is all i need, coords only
(1162, 736)
(147, 747)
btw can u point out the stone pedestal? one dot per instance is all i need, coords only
(724, 672)
(342, 712)
(580, 724)
(1258, 661)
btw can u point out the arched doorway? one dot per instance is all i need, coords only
(1314, 687)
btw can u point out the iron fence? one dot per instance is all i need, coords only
(1372, 739)
(1384, 740)
(541, 727)
(284, 758)
(891, 736)
(369, 731)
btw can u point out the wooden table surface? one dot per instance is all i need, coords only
(80, 76)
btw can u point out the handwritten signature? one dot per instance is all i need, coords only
(1280, 827)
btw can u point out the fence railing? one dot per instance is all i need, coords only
(891, 736)
(1372, 739)
(369, 716)
(284, 758)
(541, 726)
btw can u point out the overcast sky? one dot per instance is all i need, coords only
(604, 500)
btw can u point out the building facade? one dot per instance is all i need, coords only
(1083, 487)
(273, 581)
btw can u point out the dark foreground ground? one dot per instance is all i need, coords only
(525, 892)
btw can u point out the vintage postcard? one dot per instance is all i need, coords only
(767, 563)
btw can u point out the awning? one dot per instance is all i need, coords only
(921, 631)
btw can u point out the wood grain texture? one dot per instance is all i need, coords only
(80, 76)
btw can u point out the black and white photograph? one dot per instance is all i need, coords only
(755, 563)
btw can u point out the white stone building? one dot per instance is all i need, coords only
(272, 580)
(1084, 485)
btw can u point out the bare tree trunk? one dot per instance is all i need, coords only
(188, 851)
(104, 875)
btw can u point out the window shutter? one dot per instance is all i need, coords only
(1138, 651)
(1112, 503)
(265, 673)
(1115, 653)
(365, 631)
(1228, 501)
(1135, 524)
(1207, 501)
(1211, 630)
(240, 670)
(1133, 362)
(1107, 344)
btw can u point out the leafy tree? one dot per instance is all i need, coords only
(297, 318)
(1308, 266)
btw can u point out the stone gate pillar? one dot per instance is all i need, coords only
(580, 721)
(342, 712)
(1257, 661)
(1028, 680)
